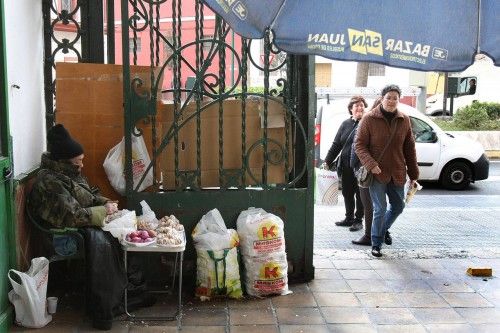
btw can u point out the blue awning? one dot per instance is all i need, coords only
(426, 35)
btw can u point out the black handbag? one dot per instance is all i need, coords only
(336, 165)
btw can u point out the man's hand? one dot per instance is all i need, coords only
(376, 170)
(111, 207)
(413, 183)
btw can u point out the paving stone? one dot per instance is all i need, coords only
(249, 303)
(382, 300)
(167, 329)
(326, 274)
(451, 286)
(197, 329)
(395, 274)
(294, 300)
(486, 328)
(329, 286)
(351, 264)
(352, 328)
(304, 329)
(466, 300)
(423, 300)
(384, 264)
(410, 286)
(359, 274)
(438, 316)
(337, 299)
(401, 329)
(204, 317)
(480, 315)
(345, 315)
(374, 286)
(252, 329)
(483, 284)
(299, 316)
(449, 328)
(322, 263)
(299, 288)
(391, 316)
(251, 317)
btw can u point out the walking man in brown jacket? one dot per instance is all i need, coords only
(389, 171)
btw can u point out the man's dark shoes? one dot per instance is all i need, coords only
(363, 240)
(357, 225)
(388, 238)
(345, 222)
(376, 251)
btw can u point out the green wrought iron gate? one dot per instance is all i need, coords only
(230, 120)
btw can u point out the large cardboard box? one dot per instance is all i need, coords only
(89, 102)
(232, 152)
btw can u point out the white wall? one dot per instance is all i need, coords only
(24, 49)
(344, 75)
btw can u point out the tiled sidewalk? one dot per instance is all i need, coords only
(347, 295)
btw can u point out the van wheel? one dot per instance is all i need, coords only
(456, 176)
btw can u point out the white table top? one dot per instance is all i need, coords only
(154, 247)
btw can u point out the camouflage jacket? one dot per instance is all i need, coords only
(62, 197)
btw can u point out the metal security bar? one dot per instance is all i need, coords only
(73, 32)
(197, 53)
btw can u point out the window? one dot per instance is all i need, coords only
(168, 50)
(66, 5)
(422, 131)
(208, 45)
(131, 44)
(376, 69)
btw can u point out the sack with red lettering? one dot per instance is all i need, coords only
(261, 233)
(266, 275)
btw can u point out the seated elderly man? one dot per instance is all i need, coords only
(61, 197)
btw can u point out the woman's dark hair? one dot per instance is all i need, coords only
(354, 100)
(376, 103)
(390, 87)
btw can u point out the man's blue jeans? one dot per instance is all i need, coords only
(383, 218)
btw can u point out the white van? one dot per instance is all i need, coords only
(488, 83)
(454, 161)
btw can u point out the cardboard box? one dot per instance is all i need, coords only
(89, 102)
(232, 141)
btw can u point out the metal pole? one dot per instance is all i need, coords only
(110, 33)
(445, 93)
(232, 58)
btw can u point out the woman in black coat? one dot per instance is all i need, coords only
(342, 145)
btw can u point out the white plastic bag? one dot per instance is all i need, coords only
(266, 275)
(260, 232)
(114, 165)
(123, 225)
(28, 294)
(217, 268)
(217, 274)
(211, 233)
(148, 220)
(326, 187)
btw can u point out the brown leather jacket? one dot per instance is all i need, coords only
(400, 157)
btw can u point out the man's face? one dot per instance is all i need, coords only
(78, 161)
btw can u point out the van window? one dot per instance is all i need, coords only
(421, 130)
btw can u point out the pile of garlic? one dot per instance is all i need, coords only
(169, 231)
